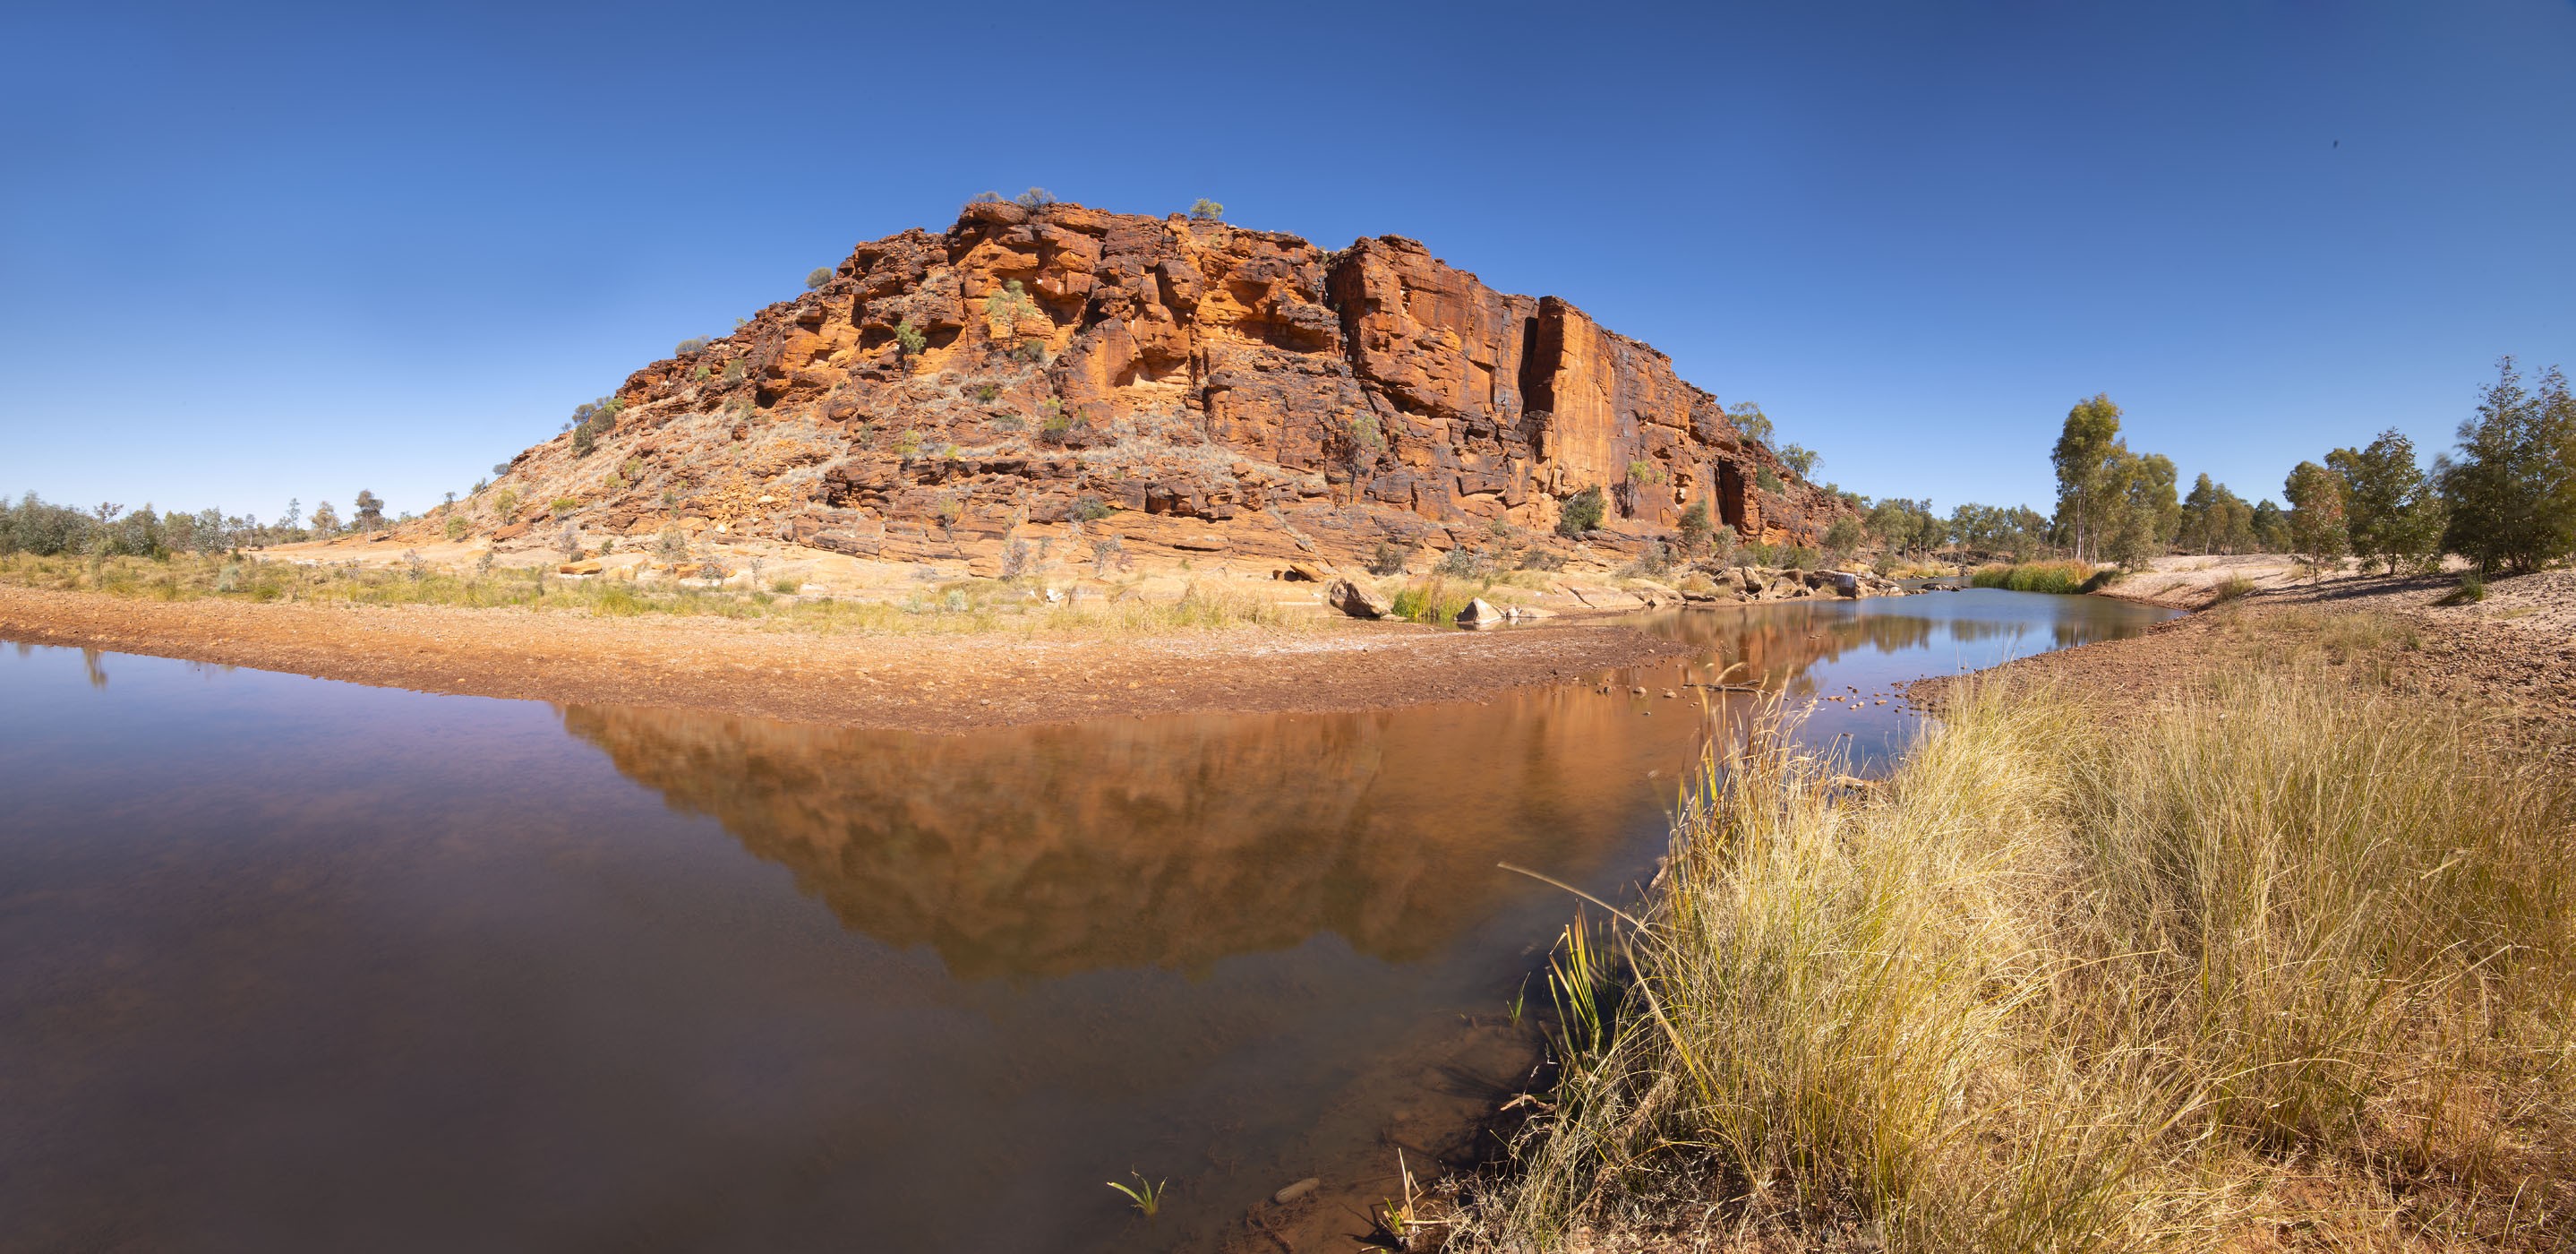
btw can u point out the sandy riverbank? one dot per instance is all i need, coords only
(942, 683)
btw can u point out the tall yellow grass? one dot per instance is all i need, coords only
(2292, 961)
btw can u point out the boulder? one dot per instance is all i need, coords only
(1309, 572)
(586, 566)
(1479, 613)
(1356, 600)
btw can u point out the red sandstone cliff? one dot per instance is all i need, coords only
(1218, 390)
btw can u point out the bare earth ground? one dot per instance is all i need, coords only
(920, 683)
(2191, 583)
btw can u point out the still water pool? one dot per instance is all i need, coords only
(292, 965)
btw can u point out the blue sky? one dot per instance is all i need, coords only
(260, 251)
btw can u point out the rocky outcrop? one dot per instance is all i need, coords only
(1061, 375)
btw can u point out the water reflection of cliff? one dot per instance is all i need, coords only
(1173, 842)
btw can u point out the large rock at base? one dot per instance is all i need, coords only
(1356, 600)
(1479, 613)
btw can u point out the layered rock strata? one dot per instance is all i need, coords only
(1064, 379)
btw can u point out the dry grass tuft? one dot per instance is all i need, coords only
(2290, 964)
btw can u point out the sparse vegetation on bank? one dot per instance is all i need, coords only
(962, 606)
(2290, 956)
(2057, 577)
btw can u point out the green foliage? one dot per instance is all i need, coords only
(1902, 525)
(1432, 600)
(1749, 419)
(987, 393)
(1146, 1197)
(909, 340)
(1844, 536)
(2090, 487)
(2512, 488)
(1206, 210)
(563, 505)
(1800, 460)
(1034, 198)
(1367, 441)
(2472, 589)
(2392, 514)
(2271, 528)
(505, 503)
(1582, 512)
(817, 277)
(2215, 520)
(456, 526)
(1768, 480)
(693, 344)
(1088, 507)
(2317, 529)
(1642, 471)
(1004, 309)
(1696, 526)
(908, 445)
(1388, 560)
(2063, 578)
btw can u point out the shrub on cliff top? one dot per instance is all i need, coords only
(1206, 210)
(817, 277)
(1582, 513)
(1034, 198)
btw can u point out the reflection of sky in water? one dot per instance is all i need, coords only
(300, 965)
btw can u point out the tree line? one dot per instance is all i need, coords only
(34, 525)
(2505, 499)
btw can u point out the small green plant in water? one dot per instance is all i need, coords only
(1146, 1197)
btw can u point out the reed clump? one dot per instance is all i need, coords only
(2059, 577)
(2291, 961)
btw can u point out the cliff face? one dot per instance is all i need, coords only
(1217, 390)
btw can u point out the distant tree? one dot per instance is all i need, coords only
(2511, 490)
(371, 512)
(1034, 198)
(2392, 514)
(326, 521)
(294, 513)
(2271, 527)
(1844, 536)
(1901, 524)
(989, 198)
(2091, 482)
(1206, 210)
(1800, 460)
(693, 344)
(2317, 530)
(817, 277)
(1582, 512)
(2138, 523)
